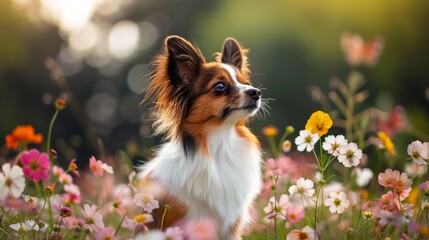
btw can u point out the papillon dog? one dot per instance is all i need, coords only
(209, 165)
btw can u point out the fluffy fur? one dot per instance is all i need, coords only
(209, 166)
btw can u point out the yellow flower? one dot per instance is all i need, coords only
(319, 123)
(270, 131)
(413, 198)
(387, 143)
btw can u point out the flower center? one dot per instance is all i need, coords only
(292, 216)
(140, 218)
(416, 155)
(308, 139)
(337, 202)
(34, 165)
(8, 182)
(90, 220)
(107, 238)
(303, 236)
(320, 126)
(350, 154)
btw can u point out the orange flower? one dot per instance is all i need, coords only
(60, 104)
(270, 131)
(22, 135)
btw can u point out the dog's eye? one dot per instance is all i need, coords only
(220, 87)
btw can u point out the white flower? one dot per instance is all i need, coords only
(12, 181)
(424, 205)
(281, 205)
(349, 155)
(305, 187)
(337, 202)
(363, 176)
(146, 201)
(418, 151)
(107, 168)
(28, 226)
(414, 169)
(72, 188)
(306, 140)
(332, 144)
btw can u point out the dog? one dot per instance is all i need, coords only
(209, 165)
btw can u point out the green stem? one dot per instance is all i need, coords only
(273, 146)
(282, 139)
(166, 208)
(120, 223)
(48, 145)
(51, 221)
(95, 190)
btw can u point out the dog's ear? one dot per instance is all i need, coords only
(233, 54)
(184, 61)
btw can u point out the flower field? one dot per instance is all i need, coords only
(336, 176)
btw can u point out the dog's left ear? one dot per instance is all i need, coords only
(233, 54)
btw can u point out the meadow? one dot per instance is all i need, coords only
(335, 176)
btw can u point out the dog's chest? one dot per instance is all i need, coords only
(221, 184)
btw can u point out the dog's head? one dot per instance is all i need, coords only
(192, 95)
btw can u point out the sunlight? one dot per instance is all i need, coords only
(69, 15)
(124, 39)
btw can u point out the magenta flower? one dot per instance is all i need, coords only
(36, 165)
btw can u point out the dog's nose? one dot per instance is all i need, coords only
(254, 93)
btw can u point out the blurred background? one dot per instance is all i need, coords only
(96, 53)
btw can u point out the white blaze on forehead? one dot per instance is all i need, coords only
(233, 75)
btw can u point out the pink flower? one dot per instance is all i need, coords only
(202, 229)
(305, 233)
(106, 233)
(36, 165)
(117, 204)
(424, 186)
(395, 219)
(279, 166)
(94, 220)
(294, 213)
(65, 178)
(72, 222)
(403, 186)
(173, 233)
(63, 211)
(57, 171)
(146, 201)
(70, 198)
(389, 202)
(388, 178)
(96, 166)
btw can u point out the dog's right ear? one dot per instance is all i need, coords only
(184, 61)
